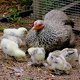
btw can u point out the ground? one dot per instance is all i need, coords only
(9, 67)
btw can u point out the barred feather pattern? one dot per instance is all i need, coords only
(48, 37)
(54, 34)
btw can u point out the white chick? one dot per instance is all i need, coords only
(56, 53)
(12, 49)
(16, 35)
(20, 32)
(70, 54)
(37, 54)
(10, 31)
(58, 63)
(15, 39)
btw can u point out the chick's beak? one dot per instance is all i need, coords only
(25, 32)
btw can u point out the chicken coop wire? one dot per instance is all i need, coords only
(70, 7)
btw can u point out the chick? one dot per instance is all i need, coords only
(16, 35)
(58, 63)
(56, 53)
(20, 32)
(37, 54)
(15, 39)
(70, 54)
(12, 49)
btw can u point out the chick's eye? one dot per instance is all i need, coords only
(5, 47)
(67, 55)
(51, 57)
(56, 62)
(25, 32)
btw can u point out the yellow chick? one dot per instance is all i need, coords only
(12, 49)
(20, 32)
(37, 54)
(16, 35)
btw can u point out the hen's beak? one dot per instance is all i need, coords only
(38, 27)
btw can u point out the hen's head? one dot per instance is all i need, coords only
(38, 25)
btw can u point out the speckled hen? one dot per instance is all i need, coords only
(50, 33)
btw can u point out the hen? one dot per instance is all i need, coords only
(51, 33)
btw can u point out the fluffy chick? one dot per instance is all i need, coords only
(16, 35)
(12, 49)
(70, 54)
(56, 53)
(37, 54)
(20, 32)
(58, 63)
(15, 39)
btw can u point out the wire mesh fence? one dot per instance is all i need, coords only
(70, 7)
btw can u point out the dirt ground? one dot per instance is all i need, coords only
(8, 68)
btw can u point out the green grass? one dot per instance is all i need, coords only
(1, 28)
